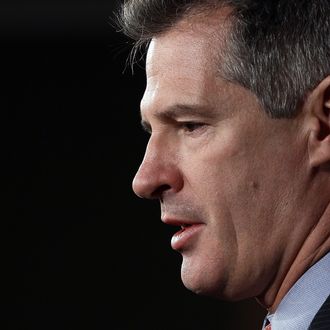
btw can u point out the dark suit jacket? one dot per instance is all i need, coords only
(321, 320)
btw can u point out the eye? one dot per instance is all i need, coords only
(191, 127)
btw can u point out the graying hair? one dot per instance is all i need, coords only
(279, 50)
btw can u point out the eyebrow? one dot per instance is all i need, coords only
(177, 110)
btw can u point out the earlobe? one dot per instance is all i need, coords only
(318, 107)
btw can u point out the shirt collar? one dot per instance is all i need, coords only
(299, 306)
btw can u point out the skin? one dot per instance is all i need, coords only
(215, 158)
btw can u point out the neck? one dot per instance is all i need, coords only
(314, 247)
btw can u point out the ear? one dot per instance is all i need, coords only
(318, 108)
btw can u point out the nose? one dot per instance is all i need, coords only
(159, 172)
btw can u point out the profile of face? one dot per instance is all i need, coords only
(224, 172)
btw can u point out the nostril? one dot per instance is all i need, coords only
(157, 193)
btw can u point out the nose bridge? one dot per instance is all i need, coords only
(157, 170)
(151, 163)
(155, 148)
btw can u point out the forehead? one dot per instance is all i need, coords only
(183, 63)
(178, 49)
(200, 37)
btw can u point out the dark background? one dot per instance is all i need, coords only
(78, 249)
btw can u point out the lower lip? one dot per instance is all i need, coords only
(182, 238)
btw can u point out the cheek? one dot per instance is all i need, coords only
(220, 175)
(230, 185)
(232, 192)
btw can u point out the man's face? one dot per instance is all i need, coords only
(219, 165)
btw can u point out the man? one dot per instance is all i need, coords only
(237, 104)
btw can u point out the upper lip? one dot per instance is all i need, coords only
(172, 221)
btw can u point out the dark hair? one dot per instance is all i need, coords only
(280, 50)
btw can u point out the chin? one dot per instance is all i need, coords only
(216, 290)
(203, 281)
(211, 281)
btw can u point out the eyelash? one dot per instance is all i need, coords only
(191, 126)
(188, 127)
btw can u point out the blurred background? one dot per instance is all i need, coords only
(78, 249)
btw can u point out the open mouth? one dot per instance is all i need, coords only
(186, 236)
(185, 226)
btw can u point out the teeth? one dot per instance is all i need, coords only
(185, 226)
